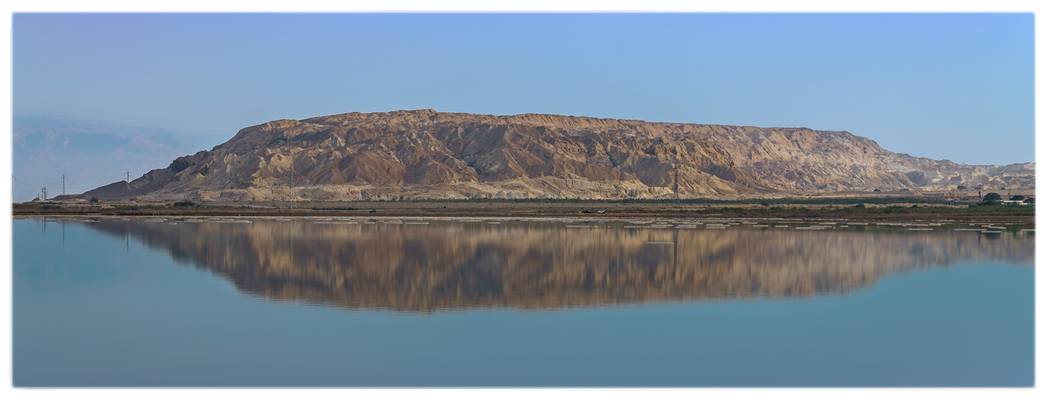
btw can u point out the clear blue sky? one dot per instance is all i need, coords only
(955, 86)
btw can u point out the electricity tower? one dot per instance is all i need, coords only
(676, 182)
(674, 164)
(290, 177)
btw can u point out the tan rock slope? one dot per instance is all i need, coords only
(424, 154)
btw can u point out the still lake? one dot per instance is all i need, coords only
(328, 302)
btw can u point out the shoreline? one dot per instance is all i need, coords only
(885, 212)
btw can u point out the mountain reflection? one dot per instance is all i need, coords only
(453, 265)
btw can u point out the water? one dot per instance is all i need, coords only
(328, 303)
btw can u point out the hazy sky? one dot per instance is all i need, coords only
(956, 86)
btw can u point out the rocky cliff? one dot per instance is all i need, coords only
(428, 154)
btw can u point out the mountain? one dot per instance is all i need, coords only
(522, 265)
(424, 154)
(89, 153)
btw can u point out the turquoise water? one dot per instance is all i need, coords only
(298, 303)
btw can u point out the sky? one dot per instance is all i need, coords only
(945, 86)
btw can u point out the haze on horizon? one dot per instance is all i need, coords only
(944, 86)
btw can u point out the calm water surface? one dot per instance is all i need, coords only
(452, 303)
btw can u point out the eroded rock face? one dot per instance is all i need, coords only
(425, 154)
(452, 265)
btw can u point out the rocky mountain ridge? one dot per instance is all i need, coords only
(424, 154)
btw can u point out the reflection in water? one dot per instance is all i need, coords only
(450, 265)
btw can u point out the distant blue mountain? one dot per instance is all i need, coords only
(90, 153)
